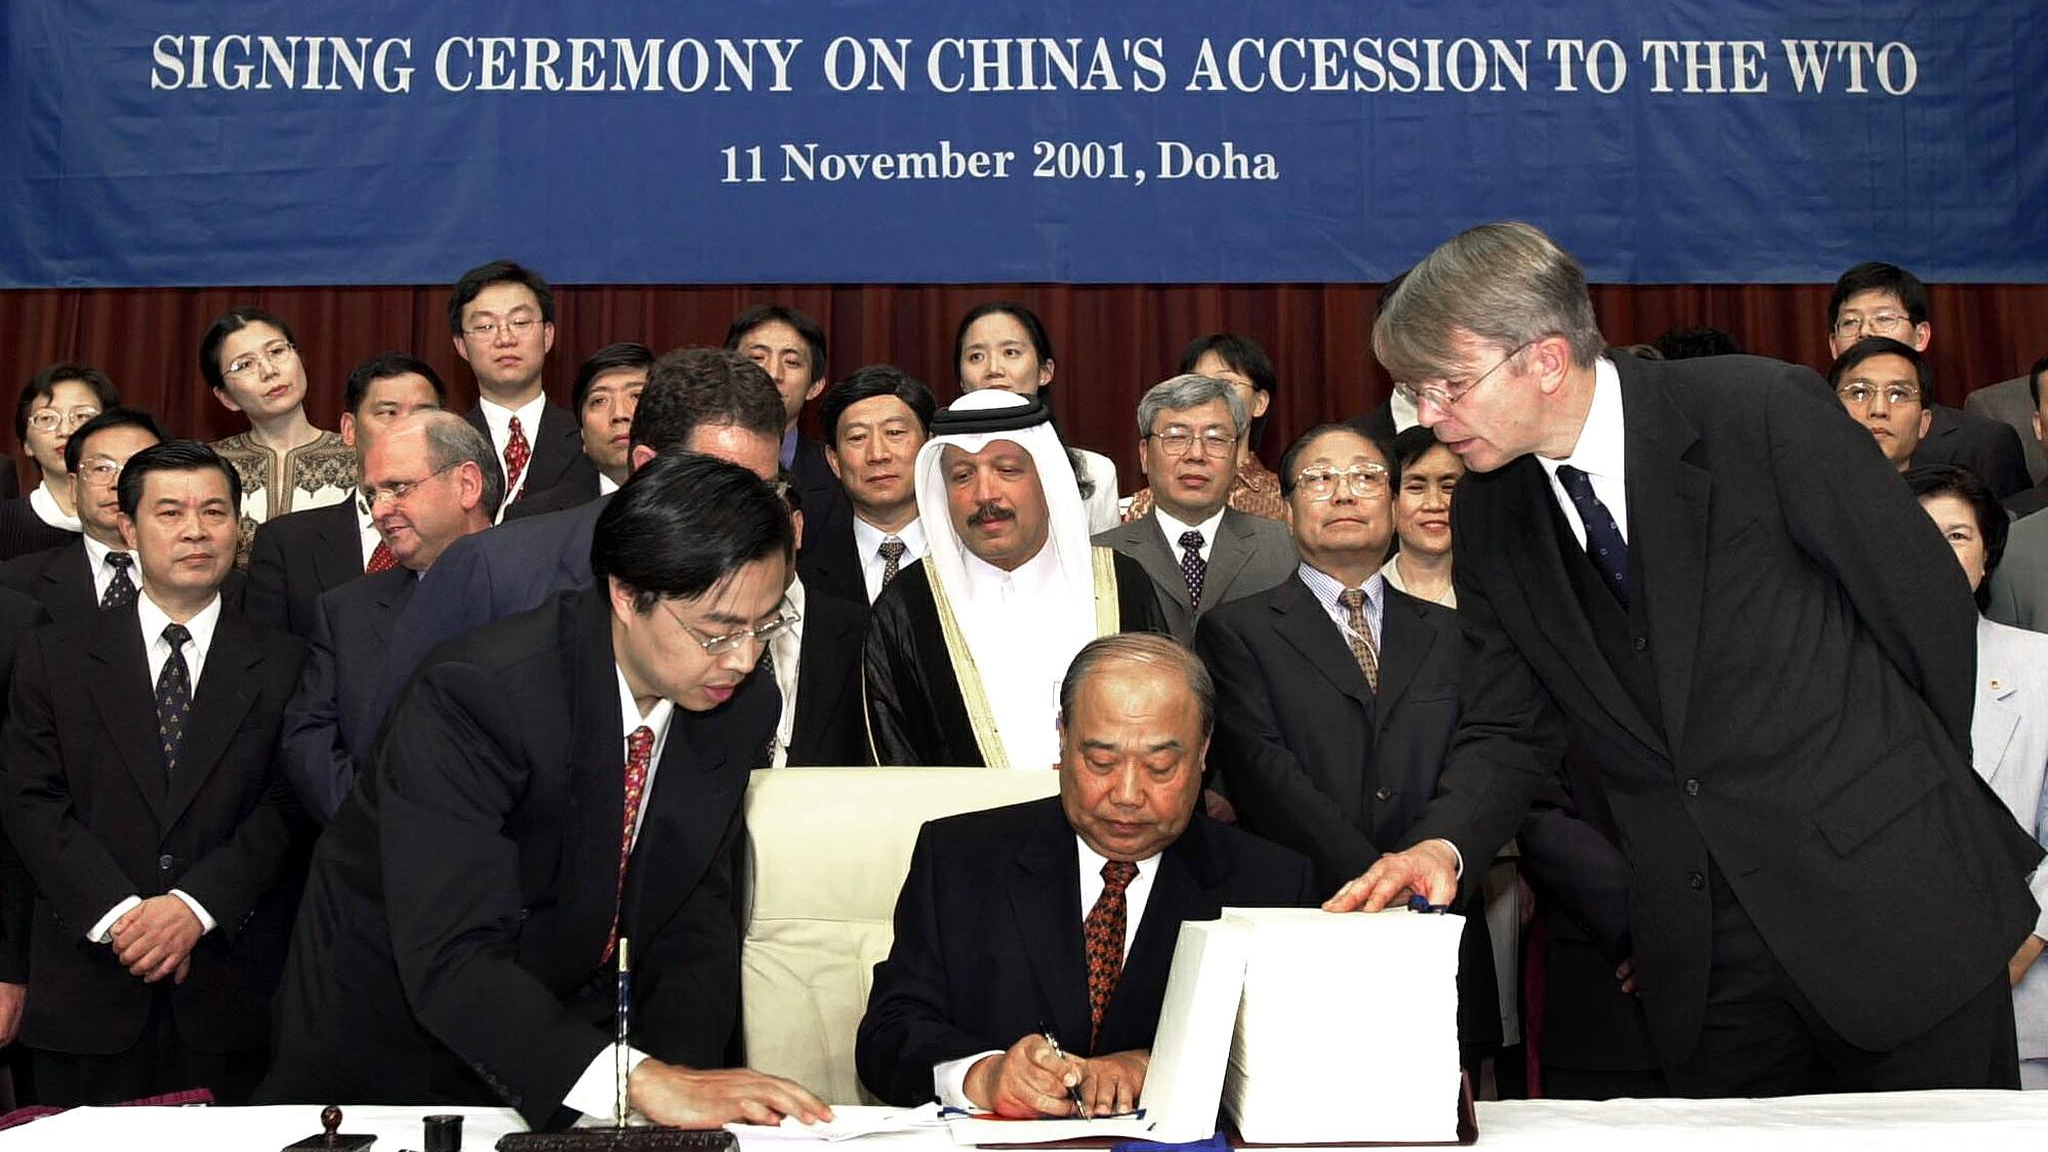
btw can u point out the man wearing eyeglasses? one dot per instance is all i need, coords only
(1700, 571)
(1198, 550)
(75, 582)
(1876, 299)
(556, 786)
(428, 480)
(501, 317)
(1887, 387)
(1337, 694)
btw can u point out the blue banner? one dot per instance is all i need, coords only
(168, 142)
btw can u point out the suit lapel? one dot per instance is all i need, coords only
(1667, 498)
(1232, 552)
(1303, 623)
(1404, 645)
(597, 768)
(391, 599)
(126, 700)
(68, 584)
(555, 448)
(821, 679)
(1045, 895)
(1527, 509)
(227, 688)
(1148, 542)
(338, 552)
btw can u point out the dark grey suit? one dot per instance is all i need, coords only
(1250, 554)
(329, 723)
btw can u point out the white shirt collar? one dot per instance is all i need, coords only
(498, 418)
(1173, 528)
(788, 647)
(1603, 438)
(867, 539)
(606, 485)
(154, 619)
(43, 503)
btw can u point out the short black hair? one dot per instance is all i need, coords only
(1034, 328)
(759, 314)
(234, 321)
(1410, 445)
(683, 524)
(45, 383)
(1871, 346)
(695, 386)
(2034, 379)
(610, 358)
(1241, 354)
(1692, 343)
(482, 276)
(1929, 481)
(870, 382)
(172, 456)
(786, 486)
(1290, 463)
(1874, 276)
(116, 417)
(383, 366)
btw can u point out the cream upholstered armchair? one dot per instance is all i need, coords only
(827, 852)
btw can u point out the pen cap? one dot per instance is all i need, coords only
(443, 1134)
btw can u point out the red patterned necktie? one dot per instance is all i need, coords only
(381, 559)
(1103, 935)
(639, 756)
(517, 453)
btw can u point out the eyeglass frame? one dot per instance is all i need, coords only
(1372, 470)
(1223, 446)
(87, 469)
(1895, 321)
(1887, 390)
(399, 489)
(518, 326)
(720, 645)
(1438, 392)
(70, 419)
(276, 362)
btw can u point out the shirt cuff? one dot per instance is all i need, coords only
(206, 921)
(1457, 873)
(105, 926)
(949, 1079)
(596, 1092)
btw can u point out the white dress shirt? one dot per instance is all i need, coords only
(157, 651)
(1326, 588)
(96, 555)
(595, 1093)
(788, 648)
(1172, 529)
(867, 545)
(43, 503)
(605, 484)
(1598, 453)
(498, 419)
(366, 528)
(949, 1078)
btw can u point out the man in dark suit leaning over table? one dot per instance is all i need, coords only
(992, 945)
(428, 480)
(549, 785)
(1337, 694)
(143, 797)
(1700, 567)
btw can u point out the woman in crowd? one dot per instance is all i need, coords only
(1430, 472)
(1003, 345)
(2009, 729)
(286, 464)
(54, 404)
(1243, 365)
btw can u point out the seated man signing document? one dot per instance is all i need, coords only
(1033, 942)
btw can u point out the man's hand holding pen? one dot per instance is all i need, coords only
(1034, 1078)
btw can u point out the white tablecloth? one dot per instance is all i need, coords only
(1916, 1121)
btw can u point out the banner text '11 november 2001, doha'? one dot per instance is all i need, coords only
(1662, 140)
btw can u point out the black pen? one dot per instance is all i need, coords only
(1073, 1090)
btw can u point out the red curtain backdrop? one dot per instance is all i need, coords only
(1112, 342)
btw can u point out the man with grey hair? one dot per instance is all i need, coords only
(993, 956)
(428, 480)
(1701, 569)
(1198, 551)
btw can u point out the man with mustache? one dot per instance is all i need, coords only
(1199, 551)
(965, 650)
(143, 796)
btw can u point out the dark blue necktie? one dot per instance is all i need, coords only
(173, 695)
(1609, 552)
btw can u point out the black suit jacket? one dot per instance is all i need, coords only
(580, 488)
(23, 532)
(298, 556)
(328, 724)
(1783, 572)
(830, 565)
(449, 946)
(18, 614)
(831, 727)
(60, 579)
(1990, 448)
(988, 939)
(90, 809)
(10, 480)
(488, 576)
(826, 508)
(557, 450)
